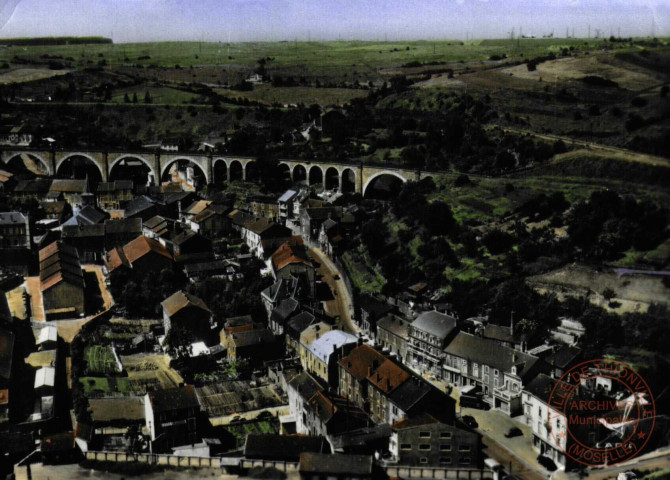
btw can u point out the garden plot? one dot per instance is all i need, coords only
(227, 398)
(150, 371)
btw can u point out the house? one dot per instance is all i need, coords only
(331, 237)
(287, 448)
(315, 466)
(255, 78)
(263, 236)
(424, 441)
(381, 384)
(312, 218)
(503, 334)
(114, 195)
(143, 254)
(87, 215)
(212, 221)
(88, 240)
(282, 289)
(330, 415)
(371, 310)
(15, 135)
(172, 417)
(61, 281)
(355, 368)
(308, 334)
(500, 372)
(569, 331)
(46, 336)
(158, 226)
(285, 205)
(428, 335)
(71, 190)
(266, 207)
(14, 231)
(281, 314)
(300, 389)
(58, 211)
(322, 355)
(36, 188)
(120, 231)
(562, 358)
(256, 345)
(227, 269)
(292, 260)
(187, 311)
(141, 207)
(393, 335)
(294, 330)
(550, 442)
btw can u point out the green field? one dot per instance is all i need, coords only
(159, 95)
(100, 360)
(105, 386)
(270, 95)
(340, 60)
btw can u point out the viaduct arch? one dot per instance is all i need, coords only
(158, 163)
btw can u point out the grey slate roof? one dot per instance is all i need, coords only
(435, 323)
(489, 352)
(12, 218)
(305, 385)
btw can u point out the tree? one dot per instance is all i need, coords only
(374, 234)
(438, 218)
(147, 97)
(126, 99)
(178, 340)
(135, 97)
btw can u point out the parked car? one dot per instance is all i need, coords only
(470, 421)
(474, 401)
(514, 432)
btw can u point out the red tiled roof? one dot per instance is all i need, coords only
(291, 251)
(388, 377)
(59, 262)
(133, 251)
(362, 361)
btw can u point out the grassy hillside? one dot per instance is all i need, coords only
(336, 59)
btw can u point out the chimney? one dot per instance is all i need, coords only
(511, 322)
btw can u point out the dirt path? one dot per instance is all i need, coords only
(621, 153)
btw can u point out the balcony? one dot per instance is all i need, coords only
(505, 394)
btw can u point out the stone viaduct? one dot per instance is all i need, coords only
(158, 163)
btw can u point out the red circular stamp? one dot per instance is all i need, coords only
(601, 412)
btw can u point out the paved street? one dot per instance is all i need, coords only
(342, 305)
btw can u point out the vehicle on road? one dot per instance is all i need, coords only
(470, 421)
(514, 432)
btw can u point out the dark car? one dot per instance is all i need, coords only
(546, 462)
(470, 421)
(514, 432)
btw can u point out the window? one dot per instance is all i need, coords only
(445, 460)
(423, 460)
(405, 446)
(445, 447)
(486, 369)
(424, 434)
(424, 446)
(464, 448)
(445, 435)
(464, 460)
(395, 410)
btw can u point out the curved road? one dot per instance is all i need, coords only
(343, 304)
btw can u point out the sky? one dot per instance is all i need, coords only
(253, 20)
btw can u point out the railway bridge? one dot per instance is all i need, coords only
(337, 174)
